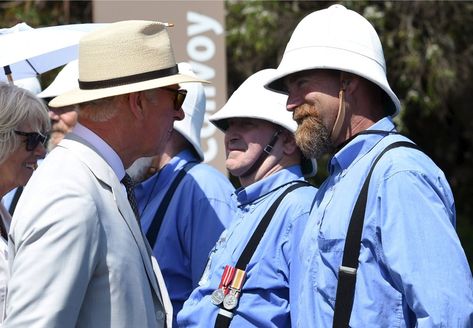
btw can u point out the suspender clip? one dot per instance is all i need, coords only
(226, 313)
(347, 270)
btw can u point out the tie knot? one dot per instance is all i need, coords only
(129, 185)
(128, 182)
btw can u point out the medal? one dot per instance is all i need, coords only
(218, 295)
(231, 299)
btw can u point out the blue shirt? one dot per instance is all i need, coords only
(264, 301)
(412, 269)
(200, 209)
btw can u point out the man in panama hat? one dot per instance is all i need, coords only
(77, 255)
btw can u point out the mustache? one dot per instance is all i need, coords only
(303, 111)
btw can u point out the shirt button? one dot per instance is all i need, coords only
(160, 315)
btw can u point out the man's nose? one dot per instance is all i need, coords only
(292, 102)
(53, 115)
(179, 115)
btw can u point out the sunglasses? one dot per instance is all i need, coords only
(33, 139)
(179, 98)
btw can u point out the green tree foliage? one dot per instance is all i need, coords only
(428, 48)
(45, 13)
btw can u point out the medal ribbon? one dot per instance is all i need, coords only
(227, 276)
(238, 280)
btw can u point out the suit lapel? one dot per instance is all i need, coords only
(130, 219)
(103, 172)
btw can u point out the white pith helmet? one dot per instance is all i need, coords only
(66, 80)
(29, 83)
(252, 100)
(194, 108)
(340, 39)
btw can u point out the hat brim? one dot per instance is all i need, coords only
(193, 141)
(78, 96)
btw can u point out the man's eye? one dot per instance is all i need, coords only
(296, 84)
(301, 82)
(248, 125)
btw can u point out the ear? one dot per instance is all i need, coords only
(349, 82)
(135, 102)
(288, 142)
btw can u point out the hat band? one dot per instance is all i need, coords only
(90, 85)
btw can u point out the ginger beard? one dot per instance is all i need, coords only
(312, 136)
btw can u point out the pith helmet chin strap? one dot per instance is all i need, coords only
(264, 154)
(337, 127)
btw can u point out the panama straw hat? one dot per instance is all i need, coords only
(124, 57)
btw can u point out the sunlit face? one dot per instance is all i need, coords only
(313, 100)
(160, 115)
(245, 139)
(63, 119)
(17, 169)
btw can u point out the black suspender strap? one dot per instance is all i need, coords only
(152, 233)
(262, 226)
(351, 251)
(224, 316)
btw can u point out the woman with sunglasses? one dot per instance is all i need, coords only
(24, 124)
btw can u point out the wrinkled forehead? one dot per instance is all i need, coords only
(317, 74)
(291, 78)
(248, 120)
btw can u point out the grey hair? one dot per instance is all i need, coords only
(19, 106)
(100, 110)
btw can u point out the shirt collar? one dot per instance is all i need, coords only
(104, 150)
(177, 162)
(267, 185)
(360, 145)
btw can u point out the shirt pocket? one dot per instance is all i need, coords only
(325, 277)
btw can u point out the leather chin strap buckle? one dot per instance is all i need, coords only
(268, 149)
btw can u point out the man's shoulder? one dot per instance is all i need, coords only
(61, 162)
(302, 196)
(404, 159)
(207, 176)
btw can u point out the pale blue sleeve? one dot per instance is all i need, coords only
(211, 217)
(422, 251)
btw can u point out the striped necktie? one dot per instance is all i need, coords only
(129, 185)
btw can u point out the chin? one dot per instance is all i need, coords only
(236, 171)
(23, 180)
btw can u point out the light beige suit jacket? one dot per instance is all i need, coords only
(77, 255)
